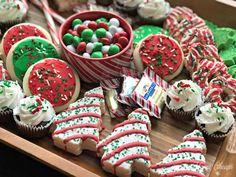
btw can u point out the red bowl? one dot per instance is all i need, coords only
(97, 69)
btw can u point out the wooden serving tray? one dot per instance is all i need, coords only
(165, 134)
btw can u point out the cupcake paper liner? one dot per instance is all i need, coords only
(33, 131)
(129, 10)
(6, 116)
(181, 115)
(152, 21)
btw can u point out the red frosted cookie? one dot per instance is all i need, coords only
(19, 32)
(195, 35)
(176, 16)
(223, 91)
(4, 75)
(207, 71)
(185, 25)
(54, 80)
(198, 52)
(161, 53)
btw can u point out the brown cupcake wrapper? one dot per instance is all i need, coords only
(4, 26)
(129, 10)
(150, 21)
(181, 115)
(6, 116)
(32, 131)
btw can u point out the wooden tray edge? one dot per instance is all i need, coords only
(42, 155)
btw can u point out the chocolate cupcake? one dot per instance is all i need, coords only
(12, 12)
(10, 96)
(183, 98)
(34, 116)
(104, 2)
(153, 11)
(128, 6)
(215, 121)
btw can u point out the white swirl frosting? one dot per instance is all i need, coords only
(129, 3)
(216, 118)
(11, 10)
(184, 94)
(33, 110)
(154, 9)
(10, 94)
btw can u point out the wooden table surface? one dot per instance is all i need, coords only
(225, 164)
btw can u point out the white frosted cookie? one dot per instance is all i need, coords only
(54, 80)
(185, 159)
(126, 149)
(18, 33)
(27, 52)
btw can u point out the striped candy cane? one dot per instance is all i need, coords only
(50, 22)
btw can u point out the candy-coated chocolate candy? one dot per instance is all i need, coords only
(93, 25)
(119, 46)
(112, 29)
(105, 48)
(81, 47)
(105, 55)
(115, 37)
(101, 20)
(71, 48)
(86, 22)
(68, 39)
(100, 32)
(103, 25)
(87, 34)
(87, 55)
(119, 29)
(72, 32)
(123, 34)
(94, 38)
(114, 49)
(89, 47)
(75, 27)
(97, 55)
(105, 40)
(97, 46)
(76, 40)
(114, 21)
(108, 35)
(81, 28)
(123, 41)
(76, 22)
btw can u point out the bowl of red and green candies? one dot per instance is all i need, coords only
(97, 43)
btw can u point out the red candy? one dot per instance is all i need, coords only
(123, 41)
(119, 45)
(116, 37)
(123, 34)
(93, 25)
(105, 55)
(104, 40)
(103, 25)
(74, 33)
(81, 28)
(81, 47)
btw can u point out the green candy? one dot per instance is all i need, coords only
(76, 40)
(114, 49)
(101, 32)
(101, 20)
(225, 38)
(76, 22)
(87, 34)
(97, 55)
(232, 71)
(68, 38)
(229, 56)
(97, 46)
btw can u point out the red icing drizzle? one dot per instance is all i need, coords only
(195, 150)
(118, 135)
(195, 139)
(88, 125)
(18, 33)
(183, 172)
(83, 106)
(81, 115)
(129, 122)
(162, 54)
(179, 162)
(53, 80)
(140, 111)
(94, 95)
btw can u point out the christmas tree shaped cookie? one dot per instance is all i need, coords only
(78, 127)
(185, 159)
(126, 149)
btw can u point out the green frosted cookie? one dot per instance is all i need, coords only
(145, 30)
(211, 26)
(232, 71)
(229, 56)
(225, 38)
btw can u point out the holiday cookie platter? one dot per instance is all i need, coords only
(165, 133)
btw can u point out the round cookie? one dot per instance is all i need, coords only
(54, 80)
(161, 53)
(143, 31)
(19, 32)
(232, 71)
(27, 52)
(229, 56)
